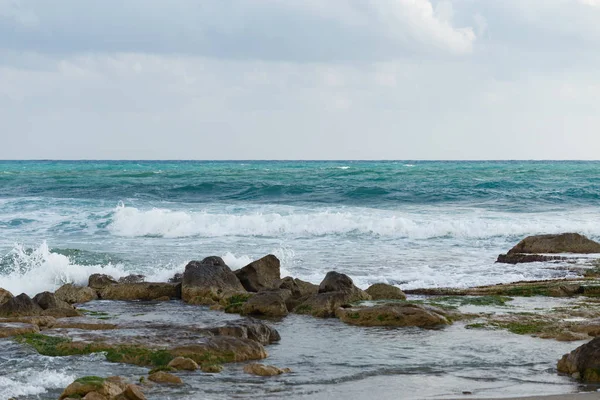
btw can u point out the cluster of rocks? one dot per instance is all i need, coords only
(96, 388)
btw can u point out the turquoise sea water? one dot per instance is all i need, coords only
(412, 223)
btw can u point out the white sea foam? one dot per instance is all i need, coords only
(31, 382)
(133, 222)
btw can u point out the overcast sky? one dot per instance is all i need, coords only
(300, 79)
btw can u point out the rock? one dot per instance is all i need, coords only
(520, 258)
(222, 349)
(118, 380)
(298, 287)
(133, 278)
(144, 291)
(100, 281)
(94, 396)
(164, 298)
(20, 306)
(177, 278)
(251, 329)
(394, 314)
(261, 274)
(583, 362)
(182, 363)
(8, 329)
(209, 281)
(88, 326)
(5, 295)
(134, 392)
(62, 312)
(335, 291)
(212, 368)
(264, 370)
(75, 294)
(81, 387)
(383, 291)
(47, 300)
(562, 243)
(268, 303)
(42, 322)
(165, 377)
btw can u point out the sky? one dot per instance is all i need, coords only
(300, 79)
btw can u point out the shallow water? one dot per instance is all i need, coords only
(329, 359)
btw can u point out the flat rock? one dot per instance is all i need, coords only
(8, 329)
(251, 329)
(394, 314)
(561, 243)
(144, 291)
(264, 370)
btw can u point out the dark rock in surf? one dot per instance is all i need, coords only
(271, 303)
(100, 281)
(20, 306)
(134, 278)
(583, 362)
(562, 243)
(394, 314)
(251, 329)
(75, 294)
(383, 291)
(144, 291)
(260, 274)
(520, 258)
(209, 281)
(5, 295)
(177, 278)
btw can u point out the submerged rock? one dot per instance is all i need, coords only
(75, 294)
(383, 291)
(8, 329)
(261, 274)
(212, 368)
(248, 329)
(394, 314)
(583, 362)
(144, 291)
(264, 370)
(209, 281)
(165, 377)
(268, 303)
(20, 306)
(562, 243)
(520, 258)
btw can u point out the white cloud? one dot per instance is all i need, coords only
(14, 10)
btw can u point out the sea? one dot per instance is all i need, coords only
(413, 224)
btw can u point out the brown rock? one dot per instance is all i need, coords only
(583, 362)
(520, 258)
(165, 377)
(298, 287)
(383, 291)
(118, 380)
(264, 370)
(209, 281)
(261, 274)
(144, 291)
(394, 314)
(336, 282)
(5, 295)
(75, 294)
(82, 388)
(268, 303)
(62, 312)
(254, 330)
(8, 329)
(47, 300)
(211, 368)
(100, 281)
(94, 396)
(223, 349)
(562, 243)
(42, 322)
(182, 363)
(134, 278)
(20, 306)
(134, 392)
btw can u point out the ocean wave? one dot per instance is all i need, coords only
(30, 382)
(156, 222)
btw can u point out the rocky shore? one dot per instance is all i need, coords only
(58, 324)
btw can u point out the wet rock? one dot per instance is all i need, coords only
(268, 303)
(182, 363)
(261, 274)
(212, 368)
(94, 396)
(222, 349)
(335, 290)
(84, 325)
(520, 258)
(61, 312)
(583, 362)
(8, 329)
(177, 278)
(298, 287)
(209, 281)
(166, 378)
(100, 281)
(383, 291)
(75, 294)
(144, 291)
(264, 370)
(133, 278)
(561, 243)
(5, 295)
(133, 392)
(81, 387)
(394, 314)
(42, 322)
(119, 381)
(164, 298)
(251, 329)
(20, 306)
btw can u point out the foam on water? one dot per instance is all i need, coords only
(30, 382)
(434, 223)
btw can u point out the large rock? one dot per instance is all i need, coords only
(261, 274)
(100, 281)
(270, 303)
(144, 291)
(394, 314)
(251, 329)
(335, 290)
(562, 243)
(20, 306)
(383, 291)
(300, 290)
(209, 281)
(48, 300)
(221, 349)
(81, 387)
(583, 362)
(5, 295)
(75, 294)
(165, 377)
